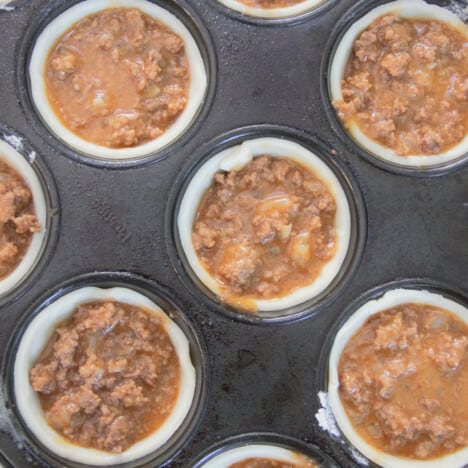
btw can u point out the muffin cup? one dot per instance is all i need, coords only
(261, 445)
(58, 26)
(9, 5)
(353, 319)
(301, 8)
(234, 154)
(39, 326)
(334, 65)
(17, 153)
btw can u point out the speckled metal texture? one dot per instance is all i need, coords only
(113, 218)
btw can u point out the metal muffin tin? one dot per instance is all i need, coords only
(112, 223)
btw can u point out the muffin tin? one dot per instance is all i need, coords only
(111, 223)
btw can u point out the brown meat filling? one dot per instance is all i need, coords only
(268, 4)
(267, 229)
(403, 380)
(17, 219)
(108, 377)
(118, 78)
(271, 463)
(406, 85)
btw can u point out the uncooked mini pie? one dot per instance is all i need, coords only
(103, 376)
(265, 225)
(271, 9)
(398, 373)
(23, 218)
(398, 82)
(117, 79)
(259, 456)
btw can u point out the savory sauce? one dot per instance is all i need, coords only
(403, 379)
(267, 229)
(108, 377)
(118, 78)
(18, 221)
(406, 85)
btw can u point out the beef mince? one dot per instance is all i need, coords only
(403, 379)
(266, 229)
(108, 377)
(406, 85)
(17, 219)
(267, 4)
(118, 78)
(272, 463)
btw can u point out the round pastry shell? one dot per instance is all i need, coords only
(17, 161)
(30, 347)
(235, 158)
(389, 300)
(272, 13)
(61, 24)
(405, 9)
(238, 454)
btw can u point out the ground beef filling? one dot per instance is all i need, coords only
(269, 4)
(271, 463)
(266, 230)
(403, 379)
(108, 377)
(406, 85)
(17, 219)
(118, 78)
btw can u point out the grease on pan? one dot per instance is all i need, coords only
(46, 42)
(31, 345)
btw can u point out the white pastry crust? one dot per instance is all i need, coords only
(18, 162)
(33, 341)
(272, 13)
(53, 31)
(405, 9)
(389, 300)
(235, 158)
(235, 455)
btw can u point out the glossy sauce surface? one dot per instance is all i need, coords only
(406, 85)
(118, 78)
(403, 379)
(108, 377)
(265, 230)
(18, 221)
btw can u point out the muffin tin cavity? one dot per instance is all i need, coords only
(335, 60)
(175, 19)
(16, 153)
(235, 153)
(248, 8)
(39, 325)
(263, 445)
(382, 299)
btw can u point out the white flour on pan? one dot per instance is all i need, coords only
(460, 10)
(4, 5)
(327, 422)
(13, 140)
